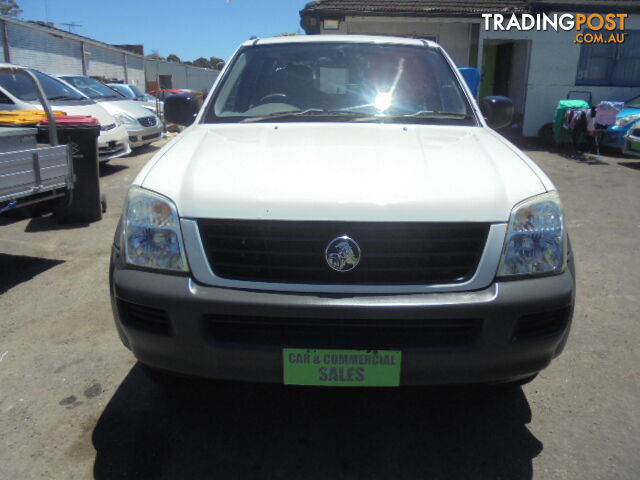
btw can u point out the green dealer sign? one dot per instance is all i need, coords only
(342, 368)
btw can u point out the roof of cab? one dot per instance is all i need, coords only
(342, 39)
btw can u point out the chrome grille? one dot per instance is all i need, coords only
(147, 121)
(392, 253)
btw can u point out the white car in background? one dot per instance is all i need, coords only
(143, 126)
(17, 92)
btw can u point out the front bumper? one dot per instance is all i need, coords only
(140, 137)
(113, 144)
(614, 137)
(632, 142)
(172, 323)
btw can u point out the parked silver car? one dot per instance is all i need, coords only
(143, 126)
(135, 93)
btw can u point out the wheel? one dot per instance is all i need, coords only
(86, 204)
(59, 211)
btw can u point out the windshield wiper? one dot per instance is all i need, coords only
(435, 113)
(63, 97)
(357, 115)
(321, 112)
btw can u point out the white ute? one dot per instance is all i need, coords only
(340, 212)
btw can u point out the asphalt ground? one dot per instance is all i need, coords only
(74, 403)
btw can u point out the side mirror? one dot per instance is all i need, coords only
(181, 108)
(471, 77)
(497, 110)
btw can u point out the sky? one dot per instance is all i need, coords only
(188, 28)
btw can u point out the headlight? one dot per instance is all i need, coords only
(152, 235)
(125, 119)
(535, 242)
(624, 121)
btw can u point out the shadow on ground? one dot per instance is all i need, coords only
(633, 165)
(586, 159)
(146, 149)
(16, 269)
(107, 169)
(40, 219)
(232, 431)
(49, 223)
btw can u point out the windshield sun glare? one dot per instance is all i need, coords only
(338, 82)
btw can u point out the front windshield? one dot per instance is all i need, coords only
(123, 90)
(138, 93)
(22, 87)
(92, 88)
(340, 82)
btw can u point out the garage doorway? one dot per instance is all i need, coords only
(505, 71)
(166, 81)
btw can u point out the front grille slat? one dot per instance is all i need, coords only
(147, 121)
(392, 253)
(146, 318)
(278, 332)
(540, 325)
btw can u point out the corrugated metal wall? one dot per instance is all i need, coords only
(31, 46)
(135, 67)
(104, 63)
(201, 80)
(182, 76)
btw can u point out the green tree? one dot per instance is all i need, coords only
(201, 62)
(173, 58)
(10, 7)
(213, 62)
(216, 63)
(155, 56)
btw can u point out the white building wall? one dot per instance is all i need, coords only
(39, 50)
(452, 34)
(552, 72)
(177, 72)
(201, 79)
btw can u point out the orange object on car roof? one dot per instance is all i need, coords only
(25, 117)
